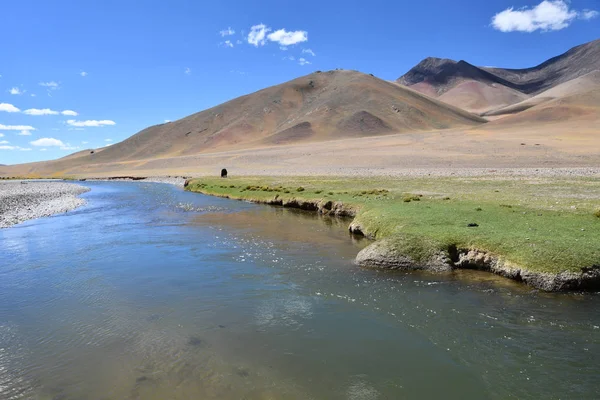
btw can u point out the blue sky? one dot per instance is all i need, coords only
(121, 66)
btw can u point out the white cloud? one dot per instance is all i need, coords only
(227, 32)
(16, 128)
(108, 140)
(50, 85)
(4, 142)
(43, 149)
(238, 42)
(51, 142)
(84, 142)
(83, 73)
(188, 71)
(47, 142)
(291, 58)
(90, 123)
(586, 15)
(24, 133)
(37, 111)
(16, 91)
(1, 134)
(283, 48)
(8, 108)
(549, 15)
(227, 43)
(167, 121)
(70, 113)
(309, 51)
(32, 94)
(286, 38)
(3, 147)
(303, 61)
(257, 35)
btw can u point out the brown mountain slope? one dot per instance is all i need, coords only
(574, 112)
(482, 89)
(585, 83)
(480, 97)
(316, 107)
(461, 84)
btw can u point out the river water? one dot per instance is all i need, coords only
(150, 292)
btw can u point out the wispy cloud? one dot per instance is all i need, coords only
(588, 14)
(303, 61)
(24, 133)
(108, 140)
(257, 35)
(3, 147)
(38, 111)
(309, 51)
(16, 128)
(8, 108)
(227, 32)
(188, 71)
(227, 43)
(4, 142)
(52, 142)
(90, 123)
(83, 73)
(286, 38)
(16, 91)
(47, 142)
(549, 15)
(50, 85)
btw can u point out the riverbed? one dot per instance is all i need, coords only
(150, 292)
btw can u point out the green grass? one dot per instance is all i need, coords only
(543, 225)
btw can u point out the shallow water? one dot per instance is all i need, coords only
(150, 292)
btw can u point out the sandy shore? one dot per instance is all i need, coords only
(24, 200)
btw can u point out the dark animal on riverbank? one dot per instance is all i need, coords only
(223, 173)
(186, 183)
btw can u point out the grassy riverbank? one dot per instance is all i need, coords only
(546, 225)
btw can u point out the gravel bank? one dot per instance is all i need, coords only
(24, 200)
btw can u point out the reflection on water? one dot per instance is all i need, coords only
(149, 292)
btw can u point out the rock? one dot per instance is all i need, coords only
(223, 173)
(389, 254)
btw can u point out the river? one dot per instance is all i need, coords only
(150, 292)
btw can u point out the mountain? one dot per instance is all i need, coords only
(576, 62)
(483, 89)
(580, 85)
(317, 107)
(568, 105)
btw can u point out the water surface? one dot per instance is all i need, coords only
(150, 292)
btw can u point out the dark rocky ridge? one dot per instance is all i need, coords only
(444, 73)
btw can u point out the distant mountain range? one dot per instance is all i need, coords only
(436, 94)
(485, 89)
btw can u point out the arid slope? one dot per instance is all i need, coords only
(483, 89)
